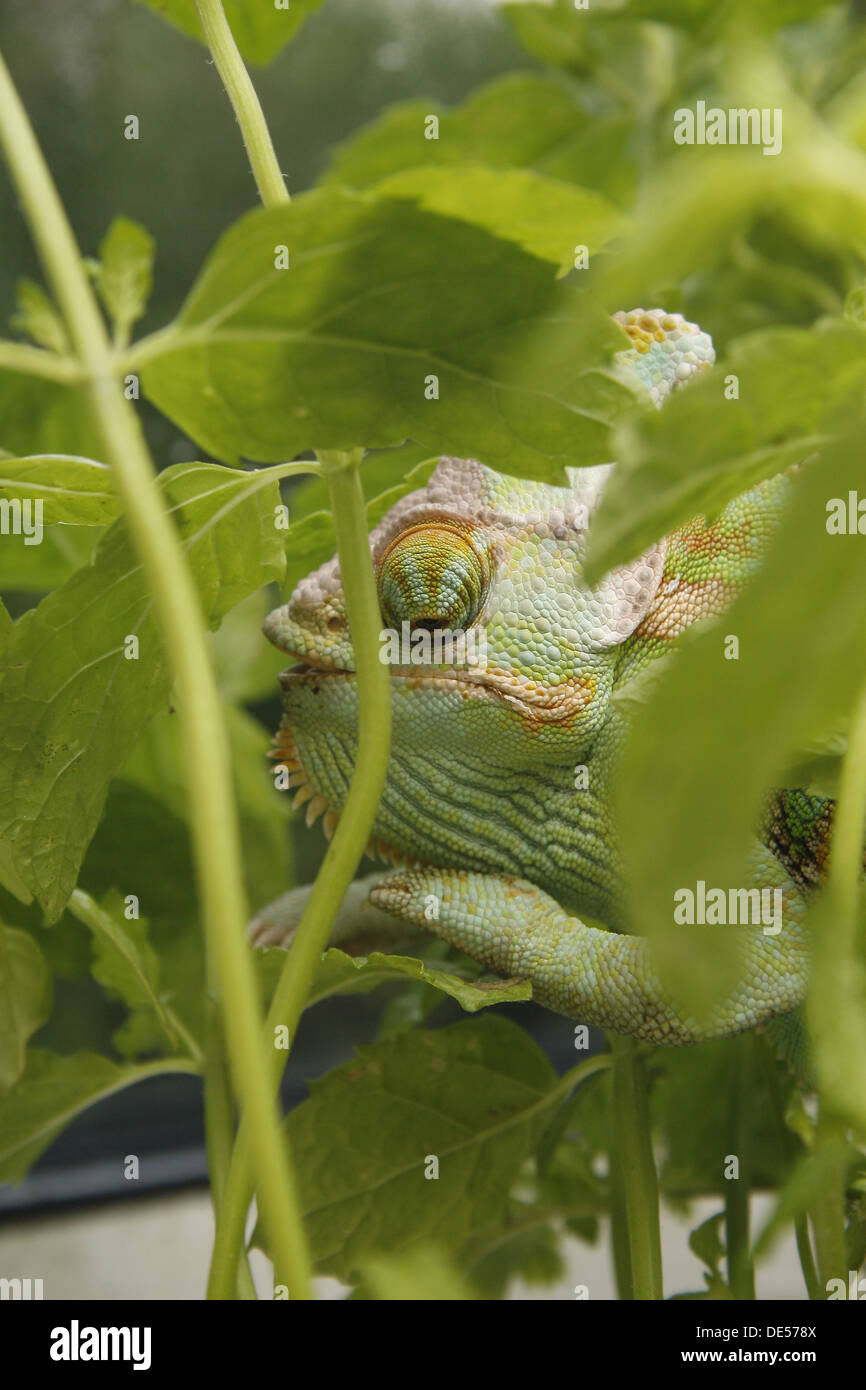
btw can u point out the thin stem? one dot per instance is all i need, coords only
(209, 781)
(828, 1212)
(794, 1148)
(637, 1167)
(247, 107)
(349, 839)
(807, 1258)
(219, 1113)
(741, 1272)
(34, 361)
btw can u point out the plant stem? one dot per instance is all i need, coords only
(741, 1273)
(34, 361)
(350, 836)
(828, 1212)
(247, 107)
(637, 1167)
(834, 1005)
(794, 1148)
(373, 687)
(213, 811)
(219, 1127)
(807, 1259)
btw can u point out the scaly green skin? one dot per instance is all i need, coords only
(502, 845)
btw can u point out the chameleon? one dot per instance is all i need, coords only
(493, 846)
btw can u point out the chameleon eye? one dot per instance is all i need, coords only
(432, 576)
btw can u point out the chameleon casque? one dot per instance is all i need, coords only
(480, 814)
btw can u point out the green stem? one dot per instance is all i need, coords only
(209, 780)
(219, 1114)
(828, 1212)
(794, 1148)
(350, 836)
(835, 1002)
(741, 1272)
(374, 696)
(807, 1259)
(619, 1227)
(34, 361)
(637, 1167)
(247, 107)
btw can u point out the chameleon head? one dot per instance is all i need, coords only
(481, 730)
(501, 658)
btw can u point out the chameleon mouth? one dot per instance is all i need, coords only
(285, 752)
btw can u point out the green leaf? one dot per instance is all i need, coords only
(474, 1095)
(822, 1170)
(521, 119)
(72, 704)
(124, 274)
(41, 417)
(555, 30)
(51, 1092)
(547, 217)
(339, 350)
(25, 999)
(34, 569)
(6, 627)
(143, 847)
(796, 389)
(124, 962)
(424, 1272)
(706, 1242)
(836, 1007)
(260, 29)
(730, 726)
(339, 973)
(156, 765)
(73, 490)
(247, 665)
(38, 318)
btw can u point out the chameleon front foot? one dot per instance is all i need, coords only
(597, 976)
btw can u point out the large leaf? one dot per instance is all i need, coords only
(717, 732)
(72, 490)
(337, 351)
(51, 1092)
(34, 569)
(424, 1273)
(25, 998)
(522, 119)
(475, 1095)
(42, 417)
(72, 704)
(260, 27)
(547, 217)
(796, 389)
